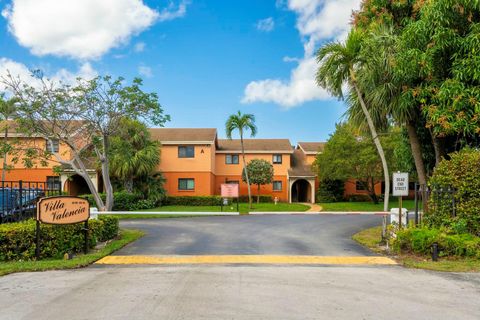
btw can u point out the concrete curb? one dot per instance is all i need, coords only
(173, 213)
(379, 213)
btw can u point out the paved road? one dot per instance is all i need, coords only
(242, 291)
(327, 235)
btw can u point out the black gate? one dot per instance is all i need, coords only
(18, 199)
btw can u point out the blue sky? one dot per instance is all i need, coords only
(205, 58)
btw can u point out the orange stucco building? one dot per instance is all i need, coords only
(195, 162)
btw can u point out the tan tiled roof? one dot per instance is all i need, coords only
(255, 145)
(71, 126)
(184, 134)
(299, 166)
(312, 147)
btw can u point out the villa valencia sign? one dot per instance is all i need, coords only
(63, 210)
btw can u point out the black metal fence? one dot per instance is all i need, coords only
(433, 198)
(18, 199)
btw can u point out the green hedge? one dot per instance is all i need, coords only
(17, 240)
(207, 200)
(122, 201)
(193, 201)
(420, 241)
(462, 174)
(263, 199)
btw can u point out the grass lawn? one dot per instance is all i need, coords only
(243, 207)
(371, 238)
(364, 206)
(81, 260)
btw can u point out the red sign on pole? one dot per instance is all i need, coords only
(229, 190)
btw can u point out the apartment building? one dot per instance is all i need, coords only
(194, 162)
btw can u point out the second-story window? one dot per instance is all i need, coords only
(277, 158)
(231, 159)
(186, 152)
(52, 145)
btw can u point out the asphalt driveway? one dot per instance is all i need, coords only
(242, 291)
(328, 235)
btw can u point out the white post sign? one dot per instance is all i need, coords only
(400, 184)
(400, 189)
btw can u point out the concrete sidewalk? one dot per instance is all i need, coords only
(239, 292)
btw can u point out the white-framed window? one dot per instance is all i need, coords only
(186, 152)
(231, 159)
(186, 184)
(52, 145)
(277, 186)
(53, 182)
(277, 159)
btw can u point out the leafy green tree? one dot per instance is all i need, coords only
(83, 116)
(133, 154)
(438, 59)
(350, 155)
(260, 172)
(242, 123)
(330, 190)
(383, 93)
(340, 63)
(8, 111)
(427, 71)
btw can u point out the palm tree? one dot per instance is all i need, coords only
(385, 93)
(133, 154)
(242, 123)
(7, 112)
(339, 64)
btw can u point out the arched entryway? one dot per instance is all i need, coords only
(77, 185)
(301, 191)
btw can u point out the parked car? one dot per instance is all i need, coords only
(16, 204)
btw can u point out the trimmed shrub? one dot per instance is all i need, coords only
(109, 229)
(462, 174)
(143, 205)
(193, 201)
(420, 241)
(263, 199)
(17, 240)
(208, 200)
(122, 201)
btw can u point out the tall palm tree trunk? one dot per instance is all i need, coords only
(376, 140)
(246, 172)
(416, 152)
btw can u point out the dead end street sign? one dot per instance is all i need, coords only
(400, 184)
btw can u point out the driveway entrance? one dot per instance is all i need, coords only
(314, 235)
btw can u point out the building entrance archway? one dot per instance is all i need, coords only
(301, 191)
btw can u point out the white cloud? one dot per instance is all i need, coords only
(174, 12)
(81, 29)
(139, 47)
(290, 59)
(266, 25)
(317, 21)
(299, 88)
(145, 71)
(20, 70)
